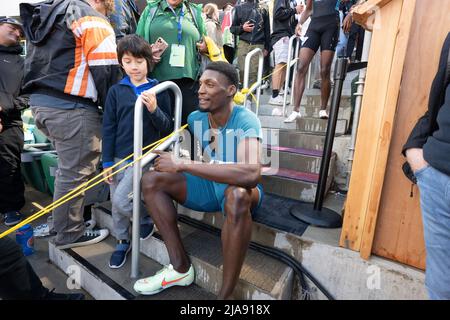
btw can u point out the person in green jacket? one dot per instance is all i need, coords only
(180, 24)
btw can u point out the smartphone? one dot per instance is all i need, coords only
(159, 47)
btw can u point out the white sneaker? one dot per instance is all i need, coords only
(277, 112)
(265, 84)
(277, 101)
(323, 114)
(163, 279)
(293, 117)
(41, 231)
(281, 93)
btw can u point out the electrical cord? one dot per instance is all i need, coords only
(277, 254)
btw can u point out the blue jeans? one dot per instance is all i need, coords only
(435, 203)
(122, 202)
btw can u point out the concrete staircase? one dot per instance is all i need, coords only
(293, 151)
(261, 278)
(293, 154)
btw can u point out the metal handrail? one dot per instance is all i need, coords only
(258, 83)
(139, 164)
(292, 61)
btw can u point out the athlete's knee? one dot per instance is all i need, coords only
(325, 71)
(237, 202)
(152, 181)
(302, 69)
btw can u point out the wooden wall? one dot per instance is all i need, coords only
(399, 234)
(386, 62)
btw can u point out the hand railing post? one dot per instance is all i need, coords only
(137, 167)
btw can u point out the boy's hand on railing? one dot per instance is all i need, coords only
(149, 99)
(107, 172)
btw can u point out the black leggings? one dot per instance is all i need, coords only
(323, 32)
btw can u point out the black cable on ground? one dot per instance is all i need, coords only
(272, 252)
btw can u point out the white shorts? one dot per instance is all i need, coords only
(280, 49)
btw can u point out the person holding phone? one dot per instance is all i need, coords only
(251, 23)
(178, 23)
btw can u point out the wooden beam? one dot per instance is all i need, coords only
(365, 13)
(370, 126)
(387, 124)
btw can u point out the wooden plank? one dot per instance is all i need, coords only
(399, 233)
(387, 125)
(370, 126)
(364, 13)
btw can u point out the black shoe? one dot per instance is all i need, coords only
(146, 230)
(89, 237)
(63, 296)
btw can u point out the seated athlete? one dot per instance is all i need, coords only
(230, 136)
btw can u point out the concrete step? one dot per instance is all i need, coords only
(293, 184)
(261, 277)
(310, 125)
(298, 159)
(343, 272)
(306, 111)
(312, 97)
(320, 125)
(88, 266)
(293, 139)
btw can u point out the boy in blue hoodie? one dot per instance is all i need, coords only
(135, 57)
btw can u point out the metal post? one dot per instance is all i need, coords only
(288, 72)
(137, 167)
(258, 83)
(316, 215)
(294, 75)
(358, 102)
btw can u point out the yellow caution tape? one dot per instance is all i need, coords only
(84, 187)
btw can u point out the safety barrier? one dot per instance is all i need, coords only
(292, 61)
(140, 163)
(247, 91)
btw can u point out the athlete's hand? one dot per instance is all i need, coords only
(167, 162)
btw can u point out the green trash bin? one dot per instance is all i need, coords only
(39, 136)
(34, 175)
(49, 163)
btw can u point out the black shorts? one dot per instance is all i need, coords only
(323, 32)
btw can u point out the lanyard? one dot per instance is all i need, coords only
(180, 20)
